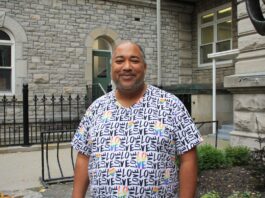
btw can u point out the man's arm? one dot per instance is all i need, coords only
(81, 179)
(188, 174)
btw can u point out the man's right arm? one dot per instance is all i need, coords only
(81, 179)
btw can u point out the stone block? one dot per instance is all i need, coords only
(67, 90)
(72, 2)
(185, 54)
(245, 26)
(241, 9)
(185, 71)
(46, 2)
(35, 59)
(260, 121)
(249, 102)
(41, 78)
(250, 66)
(251, 42)
(239, 138)
(21, 68)
(244, 121)
(185, 36)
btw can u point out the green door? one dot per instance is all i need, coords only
(101, 71)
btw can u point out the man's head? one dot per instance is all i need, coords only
(128, 67)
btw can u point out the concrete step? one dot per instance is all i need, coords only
(224, 131)
(227, 127)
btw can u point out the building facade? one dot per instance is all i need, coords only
(60, 46)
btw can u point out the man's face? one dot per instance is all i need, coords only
(128, 67)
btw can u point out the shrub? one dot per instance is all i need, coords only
(211, 194)
(238, 155)
(211, 158)
(246, 194)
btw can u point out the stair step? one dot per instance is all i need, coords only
(228, 127)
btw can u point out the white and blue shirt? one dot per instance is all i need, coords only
(133, 150)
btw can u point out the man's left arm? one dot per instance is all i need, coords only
(188, 174)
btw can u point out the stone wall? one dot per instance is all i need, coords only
(57, 32)
(248, 83)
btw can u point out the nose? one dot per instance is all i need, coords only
(127, 65)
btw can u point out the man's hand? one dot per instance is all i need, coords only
(188, 174)
(81, 179)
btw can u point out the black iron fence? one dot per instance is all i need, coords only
(23, 119)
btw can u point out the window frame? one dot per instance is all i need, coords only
(214, 23)
(11, 43)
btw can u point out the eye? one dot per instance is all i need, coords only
(119, 61)
(135, 60)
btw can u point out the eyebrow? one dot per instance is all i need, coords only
(120, 56)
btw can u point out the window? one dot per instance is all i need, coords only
(214, 33)
(6, 63)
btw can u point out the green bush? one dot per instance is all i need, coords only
(246, 194)
(211, 158)
(238, 155)
(211, 194)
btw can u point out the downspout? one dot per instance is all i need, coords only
(158, 21)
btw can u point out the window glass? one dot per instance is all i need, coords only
(223, 46)
(224, 30)
(4, 36)
(101, 44)
(207, 18)
(226, 12)
(215, 30)
(5, 79)
(204, 51)
(207, 35)
(5, 55)
(100, 66)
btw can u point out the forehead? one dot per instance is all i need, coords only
(127, 49)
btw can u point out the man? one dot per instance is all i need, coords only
(128, 140)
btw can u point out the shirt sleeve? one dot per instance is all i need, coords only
(187, 134)
(82, 139)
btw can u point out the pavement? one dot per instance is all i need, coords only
(20, 171)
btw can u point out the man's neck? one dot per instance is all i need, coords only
(128, 98)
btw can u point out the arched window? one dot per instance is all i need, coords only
(6, 62)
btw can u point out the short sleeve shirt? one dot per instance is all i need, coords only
(133, 150)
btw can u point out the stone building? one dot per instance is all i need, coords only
(60, 46)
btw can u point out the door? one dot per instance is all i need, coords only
(101, 71)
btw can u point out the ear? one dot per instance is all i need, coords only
(145, 68)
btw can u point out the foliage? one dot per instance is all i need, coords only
(211, 158)
(245, 194)
(238, 155)
(211, 194)
(258, 162)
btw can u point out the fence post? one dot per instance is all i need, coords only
(26, 114)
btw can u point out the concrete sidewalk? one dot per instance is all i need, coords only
(20, 171)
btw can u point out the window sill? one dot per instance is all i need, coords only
(220, 65)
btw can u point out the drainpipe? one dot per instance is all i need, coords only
(229, 54)
(158, 21)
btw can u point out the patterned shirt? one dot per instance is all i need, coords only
(133, 150)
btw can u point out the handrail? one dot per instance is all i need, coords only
(101, 87)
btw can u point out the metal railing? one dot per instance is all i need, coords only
(22, 120)
(53, 166)
(208, 129)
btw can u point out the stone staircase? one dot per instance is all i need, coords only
(224, 131)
